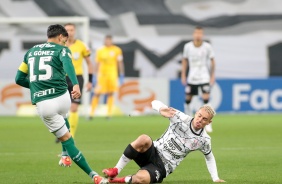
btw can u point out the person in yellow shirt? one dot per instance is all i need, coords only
(80, 52)
(109, 65)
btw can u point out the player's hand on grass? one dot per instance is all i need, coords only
(167, 112)
(88, 86)
(75, 92)
(219, 181)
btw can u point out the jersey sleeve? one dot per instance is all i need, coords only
(65, 56)
(22, 74)
(119, 54)
(180, 116)
(85, 51)
(185, 52)
(206, 149)
(211, 52)
(211, 165)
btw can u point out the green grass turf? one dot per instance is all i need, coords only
(247, 148)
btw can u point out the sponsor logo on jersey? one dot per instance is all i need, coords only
(175, 144)
(48, 45)
(169, 147)
(44, 92)
(157, 175)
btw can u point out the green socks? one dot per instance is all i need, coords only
(78, 157)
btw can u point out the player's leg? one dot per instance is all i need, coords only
(112, 86)
(65, 159)
(69, 90)
(190, 91)
(152, 169)
(206, 96)
(131, 152)
(74, 116)
(110, 104)
(99, 89)
(51, 112)
(94, 104)
(141, 177)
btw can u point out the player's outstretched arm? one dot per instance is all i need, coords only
(169, 112)
(164, 110)
(211, 165)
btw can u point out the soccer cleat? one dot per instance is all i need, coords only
(111, 172)
(100, 180)
(65, 161)
(117, 180)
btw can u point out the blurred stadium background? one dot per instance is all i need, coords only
(246, 36)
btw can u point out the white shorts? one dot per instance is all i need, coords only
(53, 113)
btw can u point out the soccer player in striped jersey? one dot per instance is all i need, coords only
(157, 159)
(43, 71)
(198, 56)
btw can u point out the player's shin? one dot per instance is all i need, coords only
(110, 103)
(78, 157)
(123, 161)
(94, 105)
(73, 121)
(64, 151)
(128, 154)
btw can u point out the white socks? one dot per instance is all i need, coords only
(123, 161)
(127, 179)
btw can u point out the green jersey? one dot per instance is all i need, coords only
(46, 70)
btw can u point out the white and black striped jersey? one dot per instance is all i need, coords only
(179, 140)
(198, 58)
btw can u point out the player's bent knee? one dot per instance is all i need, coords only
(142, 143)
(144, 139)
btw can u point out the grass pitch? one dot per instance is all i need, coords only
(247, 149)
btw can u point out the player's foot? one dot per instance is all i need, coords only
(89, 118)
(100, 180)
(208, 128)
(65, 161)
(117, 180)
(110, 172)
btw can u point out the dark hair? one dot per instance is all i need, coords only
(108, 36)
(199, 28)
(69, 24)
(56, 30)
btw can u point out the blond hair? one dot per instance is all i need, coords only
(209, 109)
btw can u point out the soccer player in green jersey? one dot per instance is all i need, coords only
(43, 71)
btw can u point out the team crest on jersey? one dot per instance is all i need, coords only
(112, 53)
(75, 55)
(64, 52)
(194, 144)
